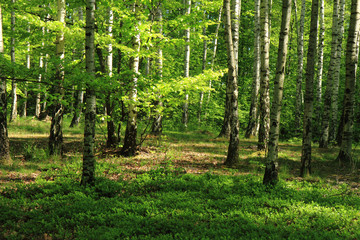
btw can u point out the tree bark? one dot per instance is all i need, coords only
(13, 113)
(235, 22)
(214, 56)
(129, 148)
(80, 96)
(320, 62)
(264, 77)
(41, 66)
(300, 67)
(5, 158)
(271, 170)
(350, 83)
(253, 123)
(88, 172)
(233, 149)
(204, 62)
(57, 111)
(309, 92)
(28, 65)
(335, 90)
(156, 128)
(185, 117)
(111, 136)
(328, 97)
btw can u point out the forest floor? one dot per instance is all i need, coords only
(162, 167)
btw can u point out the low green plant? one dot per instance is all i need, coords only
(34, 154)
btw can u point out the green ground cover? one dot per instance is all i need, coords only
(175, 188)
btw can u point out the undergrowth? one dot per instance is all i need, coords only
(175, 188)
(168, 204)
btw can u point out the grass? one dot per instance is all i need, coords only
(175, 188)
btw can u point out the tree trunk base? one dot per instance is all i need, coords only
(271, 175)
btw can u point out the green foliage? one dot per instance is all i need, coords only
(34, 154)
(168, 204)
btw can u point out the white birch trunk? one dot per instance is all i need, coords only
(88, 172)
(328, 96)
(337, 67)
(129, 148)
(271, 170)
(350, 83)
(185, 118)
(13, 113)
(232, 158)
(253, 115)
(157, 123)
(264, 77)
(309, 92)
(300, 67)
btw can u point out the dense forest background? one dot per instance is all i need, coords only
(180, 119)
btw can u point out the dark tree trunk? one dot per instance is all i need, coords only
(309, 92)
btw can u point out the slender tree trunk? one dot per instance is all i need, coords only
(335, 90)
(271, 170)
(350, 82)
(233, 149)
(328, 97)
(214, 56)
(252, 127)
(80, 96)
(28, 65)
(57, 111)
(41, 66)
(299, 79)
(235, 22)
(201, 100)
(5, 158)
(264, 77)
(309, 92)
(157, 123)
(111, 138)
(129, 148)
(185, 117)
(13, 113)
(320, 62)
(235, 25)
(88, 172)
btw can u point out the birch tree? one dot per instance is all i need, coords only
(88, 170)
(129, 147)
(328, 97)
(350, 82)
(204, 62)
(41, 66)
(13, 113)
(233, 149)
(111, 137)
(80, 96)
(57, 111)
(235, 22)
(309, 91)
(28, 65)
(253, 123)
(300, 64)
(185, 118)
(335, 90)
(4, 139)
(264, 76)
(320, 62)
(156, 128)
(271, 170)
